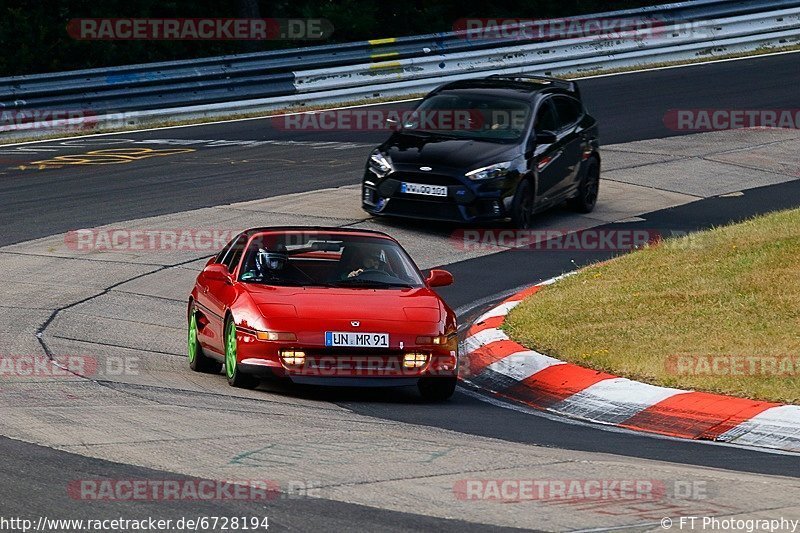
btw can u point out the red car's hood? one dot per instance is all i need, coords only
(322, 303)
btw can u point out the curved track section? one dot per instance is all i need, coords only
(134, 410)
(256, 158)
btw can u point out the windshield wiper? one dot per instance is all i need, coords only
(365, 282)
(281, 283)
(428, 134)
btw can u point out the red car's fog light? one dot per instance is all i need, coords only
(415, 360)
(293, 357)
(275, 336)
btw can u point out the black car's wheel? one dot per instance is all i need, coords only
(236, 378)
(198, 361)
(437, 389)
(522, 206)
(588, 190)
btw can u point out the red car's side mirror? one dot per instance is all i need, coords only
(218, 272)
(439, 278)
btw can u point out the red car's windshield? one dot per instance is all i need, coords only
(319, 259)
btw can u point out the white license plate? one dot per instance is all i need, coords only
(425, 190)
(356, 340)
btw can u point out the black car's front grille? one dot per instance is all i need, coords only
(423, 209)
(425, 178)
(392, 187)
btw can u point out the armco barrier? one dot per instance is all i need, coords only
(572, 52)
(135, 94)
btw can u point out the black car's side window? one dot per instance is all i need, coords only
(545, 118)
(569, 111)
(234, 253)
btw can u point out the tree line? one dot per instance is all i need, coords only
(35, 36)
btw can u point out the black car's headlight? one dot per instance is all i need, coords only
(498, 170)
(380, 164)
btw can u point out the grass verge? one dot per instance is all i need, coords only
(716, 311)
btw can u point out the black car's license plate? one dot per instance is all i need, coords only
(425, 190)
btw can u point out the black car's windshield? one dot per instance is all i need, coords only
(468, 116)
(327, 260)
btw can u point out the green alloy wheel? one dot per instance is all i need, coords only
(236, 378)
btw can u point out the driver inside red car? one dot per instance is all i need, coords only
(363, 259)
(272, 265)
(370, 261)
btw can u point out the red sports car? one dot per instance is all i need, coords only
(325, 306)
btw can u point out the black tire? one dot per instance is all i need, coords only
(588, 190)
(233, 371)
(199, 361)
(437, 389)
(523, 205)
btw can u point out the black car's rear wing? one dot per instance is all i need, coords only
(567, 85)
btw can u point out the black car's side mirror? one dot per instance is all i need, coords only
(546, 137)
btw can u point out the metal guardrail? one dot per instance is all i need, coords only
(575, 54)
(385, 67)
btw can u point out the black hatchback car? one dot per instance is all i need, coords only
(496, 148)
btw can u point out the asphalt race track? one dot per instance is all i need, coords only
(629, 107)
(209, 166)
(44, 467)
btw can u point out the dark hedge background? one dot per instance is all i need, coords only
(34, 37)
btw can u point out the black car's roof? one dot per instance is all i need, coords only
(509, 87)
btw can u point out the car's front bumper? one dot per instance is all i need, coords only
(353, 381)
(347, 379)
(463, 203)
(340, 366)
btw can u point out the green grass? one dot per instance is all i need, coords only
(731, 291)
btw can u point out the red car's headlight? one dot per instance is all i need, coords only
(447, 341)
